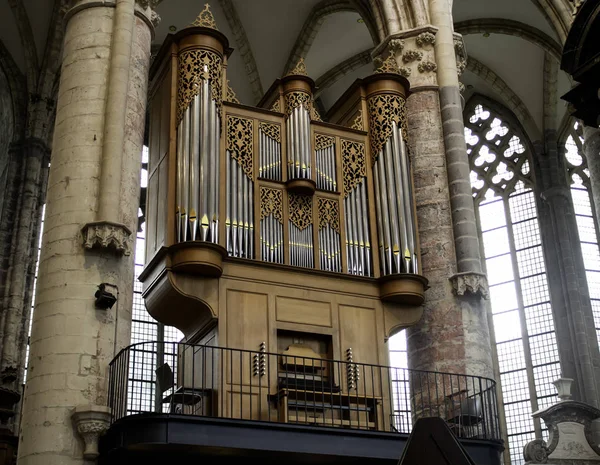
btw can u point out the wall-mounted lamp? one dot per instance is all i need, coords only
(104, 299)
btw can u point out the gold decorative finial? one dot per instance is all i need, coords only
(299, 69)
(389, 65)
(205, 18)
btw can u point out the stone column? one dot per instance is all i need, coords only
(72, 341)
(571, 306)
(453, 335)
(591, 150)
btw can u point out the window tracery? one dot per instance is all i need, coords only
(503, 191)
(579, 180)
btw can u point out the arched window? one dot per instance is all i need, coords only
(579, 178)
(505, 204)
(144, 328)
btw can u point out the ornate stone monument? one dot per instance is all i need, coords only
(569, 423)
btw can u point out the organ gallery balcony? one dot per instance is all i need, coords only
(201, 401)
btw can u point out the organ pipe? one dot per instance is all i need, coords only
(325, 163)
(393, 183)
(270, 152)
(198, 136)
(240, 188)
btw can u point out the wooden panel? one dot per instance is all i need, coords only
(310, 312)
(249, 405)
(358, 330)
(161, 211)
(246, 319)
(151, 210)
(165, 114)
(154, 147)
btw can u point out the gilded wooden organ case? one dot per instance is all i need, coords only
(264, 221)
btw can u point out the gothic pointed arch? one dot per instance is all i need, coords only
(504, 191)
(314, 22)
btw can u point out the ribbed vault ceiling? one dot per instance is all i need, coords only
(267, 34)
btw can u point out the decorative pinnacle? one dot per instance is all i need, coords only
(205, 19)
(299, 69)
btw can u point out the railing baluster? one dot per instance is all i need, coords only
(346, 388)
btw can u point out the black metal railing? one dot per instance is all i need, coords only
(165, 377)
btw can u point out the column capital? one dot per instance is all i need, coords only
(144, 9)
(471, 283)
(414, 52)
(91, 421)
(107, 235)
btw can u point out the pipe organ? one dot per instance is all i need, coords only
(269, 217)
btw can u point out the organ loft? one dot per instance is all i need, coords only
(270, 230)
(381, 247)
(265, 220)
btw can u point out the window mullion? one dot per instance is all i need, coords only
(522, 319)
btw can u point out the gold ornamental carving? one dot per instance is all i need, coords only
(301, 211)
(271, 203)
(295, 99)
(231, 97)
(329, 214)
(205, 19)
(299, 69)
(389, 65)
(194, 67)
(239, 142)
(276, 106)
(314, 114)
(272, 130)
(354, 164)
(383, 110)
(358, 122)
(322, 141)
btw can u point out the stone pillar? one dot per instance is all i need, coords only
(591, 150)
(453, 335)
(72, 342)
(571, 306)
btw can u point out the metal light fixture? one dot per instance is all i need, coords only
(104, 299)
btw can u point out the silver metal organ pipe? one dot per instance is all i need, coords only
(180, 211)
(194, 183)
(408, 202)
(401, 200)
(217, 177)
(385, 211)
(185, 156)
(392, 200)
(240, 209)
(290, 162)
(365, 224)
(379, 219)
(204, 159)
(251, 219)
(332, 172)
(234, 207)
(228, 205)
(295, 137)
(349, 249)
